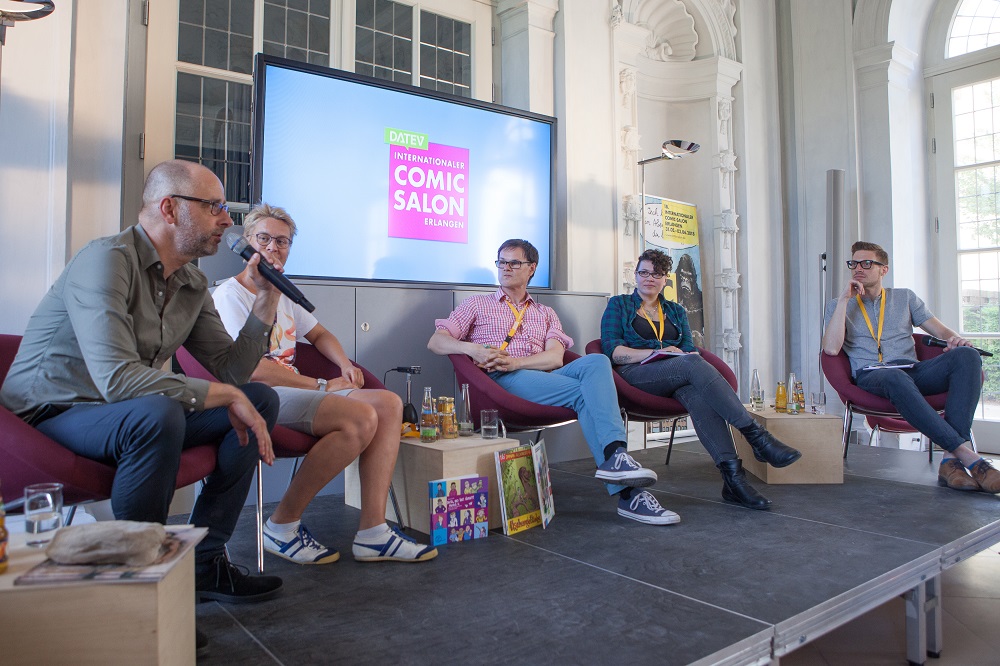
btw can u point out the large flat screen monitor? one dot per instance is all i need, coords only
(393, 182)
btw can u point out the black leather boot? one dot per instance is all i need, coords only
(767, 449)
(735, 487)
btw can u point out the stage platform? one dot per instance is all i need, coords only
(726, 585)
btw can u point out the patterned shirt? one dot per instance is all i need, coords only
(617, 329)
(487, 319)
(235, 303)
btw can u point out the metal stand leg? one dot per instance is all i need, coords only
(395, 506)
(935, 615)
(670, 442)
(260, 518)
(916, 624)
(848, 416)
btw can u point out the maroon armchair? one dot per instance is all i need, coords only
(29, 457)
(638, 405)
(288, 443)
(879, 411)
(518, 414)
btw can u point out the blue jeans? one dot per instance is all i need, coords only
(584, 385)
(959, 372)
(705, 394)
(144, 437)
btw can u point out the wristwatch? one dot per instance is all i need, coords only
(320, 384)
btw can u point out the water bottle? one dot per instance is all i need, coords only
(756, 393)
(792, 404)
(428, 418)
(465, 427)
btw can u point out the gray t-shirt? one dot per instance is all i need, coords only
(903, 312)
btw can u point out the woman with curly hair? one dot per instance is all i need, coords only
(635, 324)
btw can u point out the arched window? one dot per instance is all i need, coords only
(976, 26)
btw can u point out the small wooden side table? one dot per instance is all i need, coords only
(418, 463)
(95, 622)
(817, 436)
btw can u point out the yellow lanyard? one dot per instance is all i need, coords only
(518, 316)
(663, 326)
(881, 320)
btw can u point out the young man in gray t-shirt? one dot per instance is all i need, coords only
(874, 327)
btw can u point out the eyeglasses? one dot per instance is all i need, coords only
(646, 274)
(214, 206)
(283, 242)
(514, 265)
(864, 263)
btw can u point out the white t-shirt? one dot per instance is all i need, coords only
(234, 302)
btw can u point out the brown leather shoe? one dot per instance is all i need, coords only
(952, 473)
(986, 476)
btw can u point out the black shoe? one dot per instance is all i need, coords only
(200, 643)
(767, 448)
(225, 581)
(735, 487)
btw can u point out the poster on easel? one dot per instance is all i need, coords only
(672, 226)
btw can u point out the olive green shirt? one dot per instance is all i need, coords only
(111, 321)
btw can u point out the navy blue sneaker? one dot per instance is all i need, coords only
(622, 468)
(644, 508)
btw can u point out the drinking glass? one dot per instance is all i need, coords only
(818, 402)
(489, 420)
(43, 503)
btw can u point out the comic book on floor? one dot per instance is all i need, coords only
(459, 509)
(524, 487)
(544, 482)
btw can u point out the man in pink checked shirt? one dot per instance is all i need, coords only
(520, 344)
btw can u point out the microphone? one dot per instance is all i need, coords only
(931, 341)
(411, 369)
(235, 242)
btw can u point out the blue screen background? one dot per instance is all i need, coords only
(325, 161)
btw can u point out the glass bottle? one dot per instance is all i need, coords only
(449, 425)
(756, 393)
(428, 419)
(465, 427)
(780, 398)
(800, 397)
(792, 406)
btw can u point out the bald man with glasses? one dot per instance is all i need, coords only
(89, 372)
(874, 326)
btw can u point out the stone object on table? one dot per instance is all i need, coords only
(128, 542)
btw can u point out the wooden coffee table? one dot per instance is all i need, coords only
(817, 436)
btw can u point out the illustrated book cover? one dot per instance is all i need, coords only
(519, 488)
(459, 509)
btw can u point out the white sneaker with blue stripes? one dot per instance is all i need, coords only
(394, 546)
(302, 549)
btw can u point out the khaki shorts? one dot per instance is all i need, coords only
(299, 406)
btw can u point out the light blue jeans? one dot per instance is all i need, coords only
(586, 386)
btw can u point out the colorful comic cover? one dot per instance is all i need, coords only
(544, 482)
(459, 508)
(518, 489)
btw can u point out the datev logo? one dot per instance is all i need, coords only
(428, 188)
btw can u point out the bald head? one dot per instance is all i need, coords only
(172, 177)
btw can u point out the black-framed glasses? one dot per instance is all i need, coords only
(214, 207)
(283, 242)
(646, 274)
(514, 265)
(864, 263)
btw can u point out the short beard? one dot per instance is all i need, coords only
(190, 243)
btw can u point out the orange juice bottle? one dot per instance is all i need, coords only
(780, 398)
